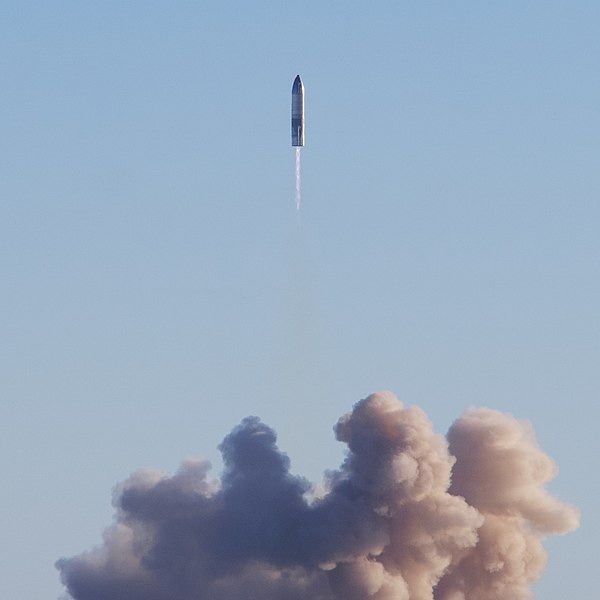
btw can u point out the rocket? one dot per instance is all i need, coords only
(298, 112)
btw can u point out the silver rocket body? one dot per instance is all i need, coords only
(298, 112)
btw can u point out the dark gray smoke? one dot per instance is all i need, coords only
(407, 516)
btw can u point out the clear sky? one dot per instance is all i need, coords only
(157, 284)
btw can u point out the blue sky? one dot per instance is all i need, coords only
(158, 285)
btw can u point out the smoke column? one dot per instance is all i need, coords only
(409, 515)
(298, 178)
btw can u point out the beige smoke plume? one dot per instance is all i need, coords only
(406, 468)
(501, 471)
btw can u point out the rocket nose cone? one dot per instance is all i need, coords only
(297, 87)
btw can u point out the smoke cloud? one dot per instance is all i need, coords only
(409, 515)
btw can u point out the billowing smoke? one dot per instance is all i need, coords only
(408, 516)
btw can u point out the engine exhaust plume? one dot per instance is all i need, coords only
(297, 178)
(409, 515)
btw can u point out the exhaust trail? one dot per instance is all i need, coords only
(298, 185)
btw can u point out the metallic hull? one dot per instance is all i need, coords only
(298, 112)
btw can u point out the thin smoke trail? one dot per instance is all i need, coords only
(297, 178)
